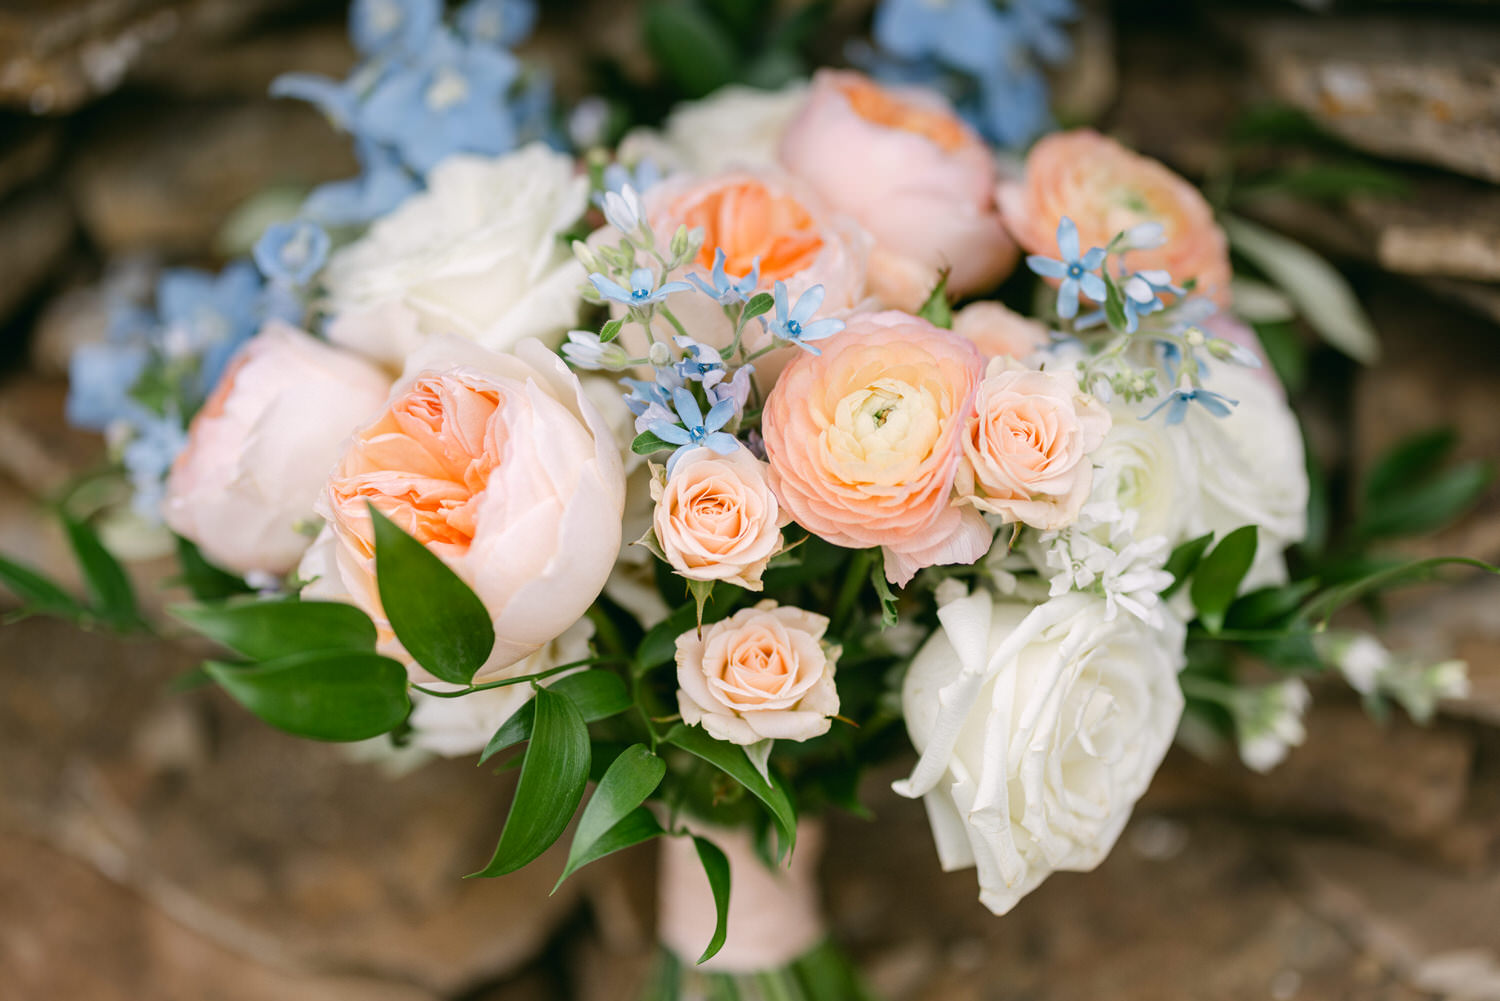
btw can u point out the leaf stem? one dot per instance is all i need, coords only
(521, 680)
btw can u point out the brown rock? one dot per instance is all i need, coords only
(36, 231)
(243, 67)
(1446, 230)
(282, 849)
(68, 932)
(1423, 90)
(29, 151)
(168, 182)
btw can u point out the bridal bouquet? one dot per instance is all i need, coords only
(712, 471)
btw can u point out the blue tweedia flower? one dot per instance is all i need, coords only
(736, 388)
(451, 100)
(726, 288)
(383, 27)
(695, 428)
(1077, 273)
(147, 457)
(382, 185)
(501, 23)
(1178, 401)
(292, 252)
(794, 323)
(1143, 291)
(700, 364)
(642, 291)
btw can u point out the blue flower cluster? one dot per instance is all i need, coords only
(423, 91)
(154, 369)
(988, 58)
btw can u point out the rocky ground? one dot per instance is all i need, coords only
(157, 844)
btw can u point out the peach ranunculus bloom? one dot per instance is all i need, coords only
(864, 441)
(716, 517)
(761, 674)
(1026, 448)
(759, 215)
(996, 329)
(1106, 189)
(902, 163)
(260, 449)
(500, 465)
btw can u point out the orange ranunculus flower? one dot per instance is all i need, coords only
(864, 441)
(1105, 189)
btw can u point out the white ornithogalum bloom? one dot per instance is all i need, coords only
(1101, 554)
(1359, 657)
(1268, 722)
(585, 350)
(478, 254)
(1039, 728)
(622, 210)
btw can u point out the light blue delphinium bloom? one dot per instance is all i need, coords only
(381, 186)
(292, 252)
(1143, 291)
(100, 377)
(642, 177)
(453, 99)
(147, 457)
(1078, 273)
(1012, 104)
(701, 363)
(964, 34)
(726, 288)
(207, 317)
(502, 23)
(794, 323)
(1177, 402)
(533, 109)
(1038, 24)
(695, 428)
(385, 27)
(642, 291)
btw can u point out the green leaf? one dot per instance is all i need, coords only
(760, 302)
(731, 760)
(1320, 292)
(936, 309)
(635, 827)
(1324, 605)
(888, 614)
(611, 330)
(437, 618)
(328, 695)
(716, 867)
(553, 774)
(206, 581)
(1428, 505)
(597, 694)
(114, 598)
(647, 443)
(1114, 305)
(1328, 181)
(1268, 606)
(631, 777)
(266, 630)
(1284, 348)
(1184, 560)
(1216, 582)
(660, 643)
(38, 594)
(692, 49)
(1411, 459)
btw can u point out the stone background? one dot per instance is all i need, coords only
(167, 846)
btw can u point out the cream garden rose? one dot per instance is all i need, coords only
(1026, 448)
(761, 674)
(1039, 727)
(734, 127)
(716, 517)
(478, 253)
(260, 449)
(501, 466)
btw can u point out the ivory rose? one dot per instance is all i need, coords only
(501, 466)
(911, 172)
(766, 216)
(734, 127)
(761, 674)
(1026, 448)
(1039, 727)
(716, 517)
(478, 253)
(864, 441)
(995, 330)
(1105, 189)
(260, 449)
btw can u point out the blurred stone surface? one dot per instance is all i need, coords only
(169, 182)
(1447, 230)
(243, 67)
(1410, 88)
(26, 151)
(56, 55)
(36, 231)
(282, 850)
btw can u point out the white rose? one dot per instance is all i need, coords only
(456, 727)
(1039, 727)
(735, 127)
(479, 254)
